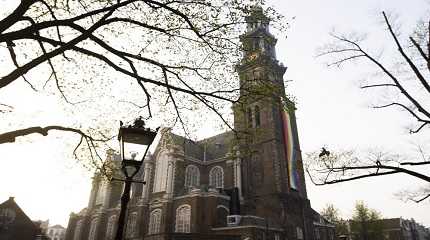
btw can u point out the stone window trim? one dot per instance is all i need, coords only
(317, 233)
(161, 171)
(183, 219)
(110, 228)
(78, 230)
(192, 176)
(299, 233)
(224, 207)
(216, 177)
(253, 116)
(92, 235)
(131, 228)
(101, 192)
(154, 225)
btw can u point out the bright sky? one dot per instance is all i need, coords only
(332, 111)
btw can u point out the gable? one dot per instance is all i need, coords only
(14, 223)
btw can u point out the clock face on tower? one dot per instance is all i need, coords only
(252, 56)
(7, 216)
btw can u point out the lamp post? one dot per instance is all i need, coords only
(134, 143)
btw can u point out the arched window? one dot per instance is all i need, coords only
(161, 167)
(249, 117)
(192, 176)
(216, 177)
(110, 229)
(222, 213)
(183, 219)
(103, 185)
(257, 116)
(299, 232)
(93, 229)
(78, 230)
(131, 225)
(154, 222)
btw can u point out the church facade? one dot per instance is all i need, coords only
(244, 184)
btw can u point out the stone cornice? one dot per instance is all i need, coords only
(217, 160)
(263, 61)
(247, 226)
(202, 194)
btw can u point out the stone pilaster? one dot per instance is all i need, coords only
(147, 178)
(170, 178)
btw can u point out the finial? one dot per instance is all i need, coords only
(139, 123)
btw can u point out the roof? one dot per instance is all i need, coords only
(16, 224)
(217, 146)
(320, 220)
(391, 223)
(57, 226)
(207, 149)
(189, 147)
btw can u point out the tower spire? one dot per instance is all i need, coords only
(257, 19)
(257, 40)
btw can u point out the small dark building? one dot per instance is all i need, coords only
(15, 224)
(324, 230)
(394, 229)
(404, 229)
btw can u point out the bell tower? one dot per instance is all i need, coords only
(273, 185)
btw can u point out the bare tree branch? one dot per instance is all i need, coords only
(346, 49)
(408, 60)
(9, 137)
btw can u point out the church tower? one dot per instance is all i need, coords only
(272, 182)
(245, 184)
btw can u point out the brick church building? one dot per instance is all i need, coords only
(245, 184)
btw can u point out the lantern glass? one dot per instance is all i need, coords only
(134, 152)
(130, 170)
(135, 142)
(134, 145)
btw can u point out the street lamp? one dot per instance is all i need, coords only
(134, 144)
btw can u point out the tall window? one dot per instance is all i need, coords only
(317, 234)
(101, 192)
(110, 229)
(93, 229)
(299, 233)
(192, 176)
(257, 116)
(183, 219)
(131, 225)
(161, 167)
(216, 177)
(154, 221)
(78, 230)
(222, 213)
(249, 117)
